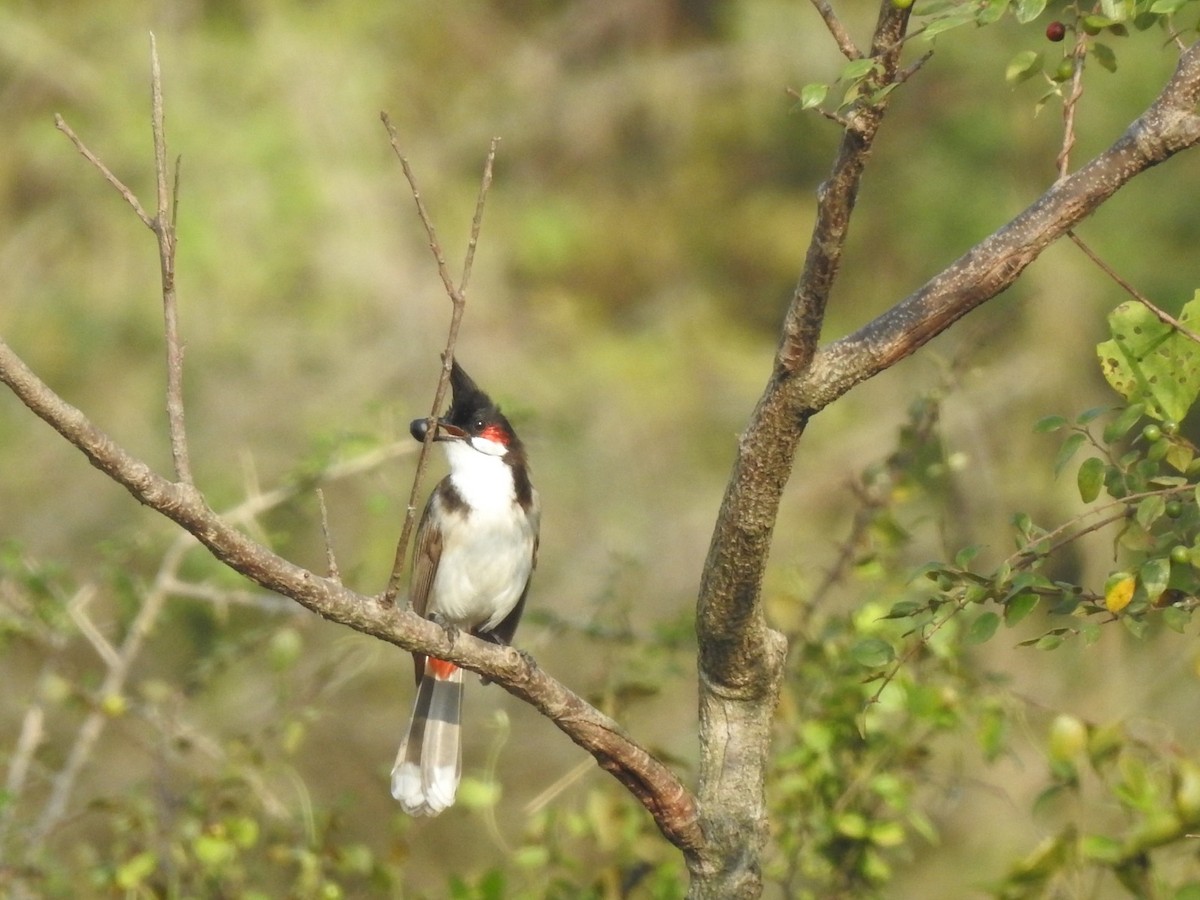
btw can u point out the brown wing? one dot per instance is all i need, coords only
(427, 551)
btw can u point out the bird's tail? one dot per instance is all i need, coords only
(429, 763)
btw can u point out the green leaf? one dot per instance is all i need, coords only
(131, 873)
(1119, 427)
(991, 12)
(1024, 65)
(1090, 415)
(1148, 361)
(1150, 510)
(1090, 478)
(964, 13)
(1154, 575)
(1048, 641)
(1106, 58)
(983, 628)
(1018, 607)
(813, 95)
(963, 557)
(1028, 10)
(1100, 848)
(856, 69)
(1176, 619)
(903, 609)
(1166, 7)
(872, 653)
(1067, 450)
(1047, 424)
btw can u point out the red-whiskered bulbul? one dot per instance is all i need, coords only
(475, 551)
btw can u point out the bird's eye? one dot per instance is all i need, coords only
(479, 424)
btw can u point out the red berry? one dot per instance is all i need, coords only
(1056, 31)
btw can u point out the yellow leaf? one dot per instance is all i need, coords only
(1118, 593)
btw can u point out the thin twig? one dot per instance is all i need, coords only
(1161, 314)
(164, 228)
(77, 609)
(477, 219)
(434, 246)
(331, 566)
(112, 686)
(840, 34)
(112, 179)
(30, 738)
(912, 68)
(839, 120)
(1071, 102)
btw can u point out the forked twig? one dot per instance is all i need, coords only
(163, 226)
(458, 303)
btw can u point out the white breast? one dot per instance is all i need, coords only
(487, 552)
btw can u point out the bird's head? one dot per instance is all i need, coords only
(472, 419)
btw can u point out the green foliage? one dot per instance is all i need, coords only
(1154, 790)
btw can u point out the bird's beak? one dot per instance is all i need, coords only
(445, 431)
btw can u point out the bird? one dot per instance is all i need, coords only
(475, 551)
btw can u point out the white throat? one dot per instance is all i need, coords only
(484, 481)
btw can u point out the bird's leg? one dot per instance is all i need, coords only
(452, 630)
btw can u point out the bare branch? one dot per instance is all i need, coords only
(118, 666)
(658, 789)
(837, 29)
(1163, 316)
(458, 303)
(164, 228)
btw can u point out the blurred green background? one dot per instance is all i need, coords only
(654, 190)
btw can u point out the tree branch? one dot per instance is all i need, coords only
(741, 657)
(658, 789)
(1168, 126)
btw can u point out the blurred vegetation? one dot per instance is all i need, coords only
(652, 203)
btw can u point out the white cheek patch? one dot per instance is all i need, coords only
(488, 446)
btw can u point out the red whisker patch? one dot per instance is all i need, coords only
(495, 433)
